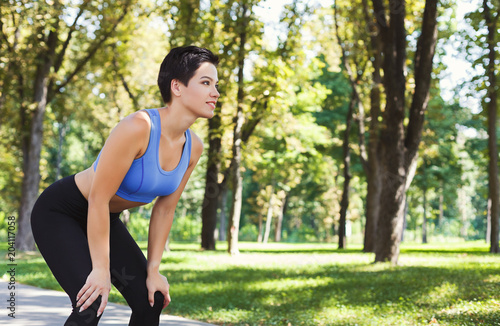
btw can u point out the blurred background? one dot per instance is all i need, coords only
(338, 121)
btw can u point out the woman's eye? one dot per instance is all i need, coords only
(206, 83)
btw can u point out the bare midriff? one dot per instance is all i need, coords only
(117, 204)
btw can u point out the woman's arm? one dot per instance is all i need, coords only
(160, 225)
(124, 144)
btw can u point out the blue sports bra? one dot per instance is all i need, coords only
(145, 179)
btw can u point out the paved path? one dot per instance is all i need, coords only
(36, 307)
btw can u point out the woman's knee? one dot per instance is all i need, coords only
(88, 317)
(146, 315)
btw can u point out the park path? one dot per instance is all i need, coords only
(40, 307)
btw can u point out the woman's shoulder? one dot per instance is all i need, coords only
(137, 122)
(196, 145)
(133, 130)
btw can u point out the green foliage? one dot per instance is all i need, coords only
(249, 232)
(138, 227)
(186, 228)
(311, 284)
(294, 88)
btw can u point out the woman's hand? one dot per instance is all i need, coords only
(157, 282)
(98, 284)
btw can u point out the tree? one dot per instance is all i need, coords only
(480, 46)
(41, 74)
(492, 107)
(372, 164)
(253, 94)
(438, 178)
(399, 146)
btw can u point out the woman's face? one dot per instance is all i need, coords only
(201, 94)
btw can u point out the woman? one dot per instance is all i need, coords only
(149, 154)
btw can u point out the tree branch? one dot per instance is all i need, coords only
(355, 93)
(72, 28)
(93, 49)
(423, 68)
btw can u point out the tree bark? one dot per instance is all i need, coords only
(234, 220)
(398, 149)
(237, 183)
(279, 220)
(424, 222)
(493, 181)
(344, 202)
(269, 216)
(31, 159)
(488, 222)
(212, 186)
(223, 215)
(441, 205)
(373, 175)
(260, 234)
(372, 205)
(62, 128)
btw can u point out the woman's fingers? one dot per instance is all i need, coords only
(88, 297)
(166, 296)
(84, 294)
(104, 302)
(98, 284)
(81, 293)
(151, 298)
(93, 296)
(167, 299)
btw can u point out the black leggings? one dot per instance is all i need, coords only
(59, 223)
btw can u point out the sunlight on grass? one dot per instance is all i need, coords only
(317, 284)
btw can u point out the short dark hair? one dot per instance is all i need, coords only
(181, 63)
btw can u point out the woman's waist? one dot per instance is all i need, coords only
(117, 204)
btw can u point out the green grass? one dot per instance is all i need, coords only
(316, 284)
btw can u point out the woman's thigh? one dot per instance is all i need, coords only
(63, 244)
(129, 274)
(128, 264)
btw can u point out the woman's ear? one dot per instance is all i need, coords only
(175, 86)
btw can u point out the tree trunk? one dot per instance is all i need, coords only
(212, 186)
(393, 175)
(488, 222)
(441, 205)
(493, 181)
(234, 221)
(424, 222)
(237, 181)
(279, 220)
(372, 167)
(31, 163)
(405, 218)
(62, 129)
(344, 202)
(125, 217)
(223, 215)
(462, 200)
(259, 237)
(398, 148)
(269, 216)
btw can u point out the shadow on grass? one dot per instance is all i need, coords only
(302, 251)
(471, 318)
(279, 295)
(472, 251)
